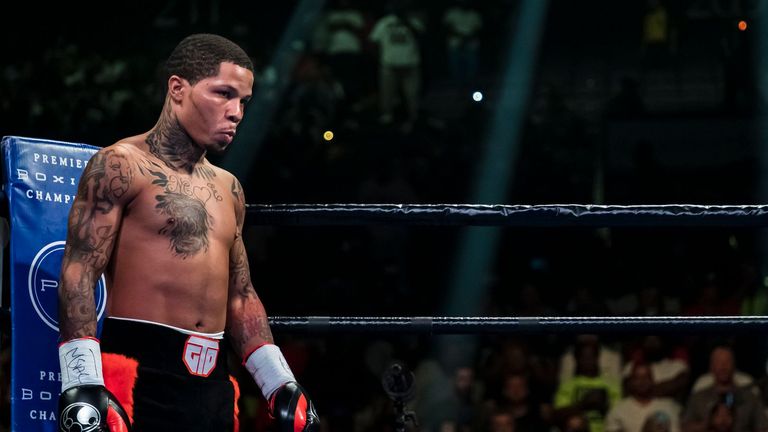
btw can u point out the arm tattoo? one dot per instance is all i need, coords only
(237, 191)
(239, 273)
(92, 229)
(249, 327)
(249, 322)
(107, 179)
(77, 313)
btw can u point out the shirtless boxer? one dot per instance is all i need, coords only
(164, 226)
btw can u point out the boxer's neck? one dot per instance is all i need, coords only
(171, 144)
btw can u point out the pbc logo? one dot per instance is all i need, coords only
(43, 284)
(200, 355)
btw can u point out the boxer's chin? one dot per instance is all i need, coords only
(219, 145)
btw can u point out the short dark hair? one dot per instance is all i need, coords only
(198, 56)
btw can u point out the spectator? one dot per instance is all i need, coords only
(501, 422)
(609, 360)
(459, 406)
(576, 423)
(722, 371)
(516, 400)
(397, 35)
(589, 392)
(341, 42)
(669, 368)
(631, 413)
(656, 34)
(463, 24)
(748, 410)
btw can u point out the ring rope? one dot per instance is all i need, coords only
(519, 325)
(587, 215)
(591, 215)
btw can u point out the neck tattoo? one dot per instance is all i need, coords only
(170, 143)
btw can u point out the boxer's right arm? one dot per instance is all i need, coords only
(94, 220)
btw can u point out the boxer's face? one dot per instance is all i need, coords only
(212, 108)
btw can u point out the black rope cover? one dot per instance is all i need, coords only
(520, 325)
(587, 215)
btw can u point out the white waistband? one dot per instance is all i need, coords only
(217, 335)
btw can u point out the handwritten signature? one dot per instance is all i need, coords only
(77, 363)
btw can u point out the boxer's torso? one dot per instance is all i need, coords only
(170, 262)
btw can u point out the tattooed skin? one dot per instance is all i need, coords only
(169, 143)
(90, 238)
(204, 172)
(188, 221)
(238, 265)
(250, 321)
(253, 325)
(107, 179)
(187, 224)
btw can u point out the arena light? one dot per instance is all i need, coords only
(477, 245)
(268, 93)
(742, 25)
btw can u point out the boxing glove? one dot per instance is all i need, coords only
(292, 410)
(288, 402)
(85, 404)
(91, 408)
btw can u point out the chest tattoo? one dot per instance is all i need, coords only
(188, 220)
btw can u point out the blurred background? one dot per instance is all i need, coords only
(460, 101)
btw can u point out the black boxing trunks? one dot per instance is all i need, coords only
(168, 379)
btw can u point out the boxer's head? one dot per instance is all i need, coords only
(210, 79)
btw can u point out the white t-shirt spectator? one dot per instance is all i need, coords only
(341, 26)
(398, 44)
(629, 415)
(463, 25)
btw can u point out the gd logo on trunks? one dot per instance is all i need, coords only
(200, 355)
(43, 284)
(80, 417)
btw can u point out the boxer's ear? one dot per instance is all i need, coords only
(176, 87)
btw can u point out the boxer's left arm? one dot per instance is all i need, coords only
(248, 327)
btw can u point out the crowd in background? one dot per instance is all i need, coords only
(633, 103)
